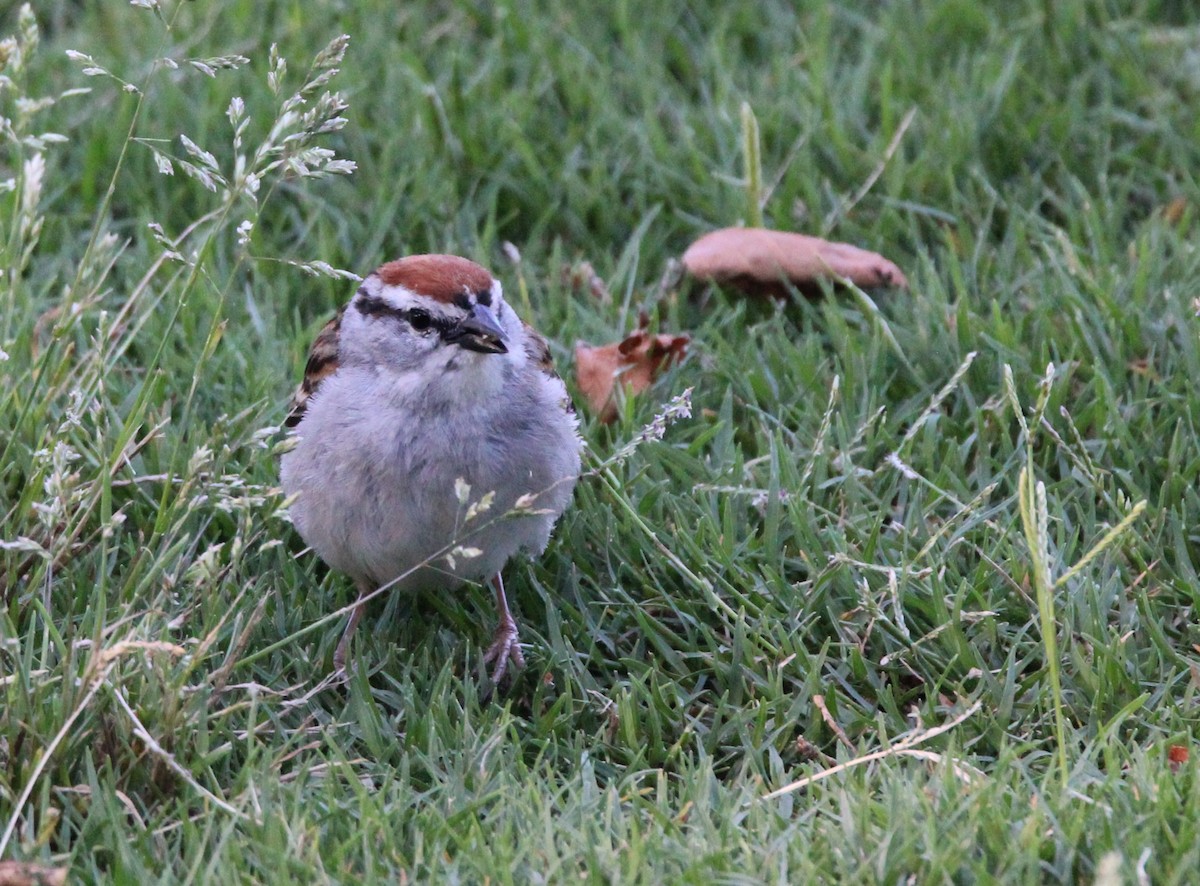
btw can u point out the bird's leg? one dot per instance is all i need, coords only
(505, 647)
(343, 648)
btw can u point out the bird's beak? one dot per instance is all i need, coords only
(479, 331)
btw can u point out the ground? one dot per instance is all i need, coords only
(920, 565)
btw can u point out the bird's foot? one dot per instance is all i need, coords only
(505, 648)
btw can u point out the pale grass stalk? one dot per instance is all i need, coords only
(101, 214)
(781, 173)
(874, 315)
(935, 403)
(1045, 386)
(1010, 391)
(965, 617)
(610, 482)
(960, 515)
(169, 759)
(131, 810)
(514, 256)
(840, 557)
(889, 152)
(1082, 466)
(901, 748)
(1088, 466)
(1098, 548)
(678, 407)
(1034, 522)
(907, 471)
(220, 676)
(818, 445)
(819, 703)
(105, 660)
(894, 590)
(963, 770)
(752, 167)
(48, 754)
(9, 679)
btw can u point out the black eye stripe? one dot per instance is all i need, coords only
(369, 306)
(419, 319)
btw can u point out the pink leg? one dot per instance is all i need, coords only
(505, 647)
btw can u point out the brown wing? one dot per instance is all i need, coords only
(322, 362)
(539, 352)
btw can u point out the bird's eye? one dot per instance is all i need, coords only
(419, 319)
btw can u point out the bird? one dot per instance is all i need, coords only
(432, 440)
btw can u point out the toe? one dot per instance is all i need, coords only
(505, 648)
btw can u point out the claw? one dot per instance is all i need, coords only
(505, 647)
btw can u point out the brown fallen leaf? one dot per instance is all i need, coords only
(805, 749)
(758, 260)
(26, 873)
(1177, 755)
(1143, 366)
(637, 361)
(1173, 211)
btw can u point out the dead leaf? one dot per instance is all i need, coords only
(1177, 755)
(805, 749)
(637, 361)
(1173, 212)
(757, 261)
(26, 873)
(1143, 366)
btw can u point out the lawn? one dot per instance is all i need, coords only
(906, 592)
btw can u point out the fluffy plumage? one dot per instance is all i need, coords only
(426, 381)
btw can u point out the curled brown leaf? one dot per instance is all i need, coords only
(637, 361)
(758, 261)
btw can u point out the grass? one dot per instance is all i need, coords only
(884, 516)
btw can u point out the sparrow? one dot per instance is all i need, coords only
(433, 440)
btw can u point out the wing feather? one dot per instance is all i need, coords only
(322, 362)
(538, 350)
